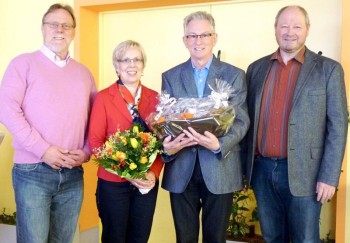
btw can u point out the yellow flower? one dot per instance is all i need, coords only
(135, 129)
(120, 156)
(132, 166)
(128, 153)
(108, 144)
(143, 160)
(133, 142)
(123, 139)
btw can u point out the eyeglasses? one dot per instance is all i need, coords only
(127, 61)
(55, 25)
(205, 36)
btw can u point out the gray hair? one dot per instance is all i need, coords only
(199, 15)
(121, 49)
(307, 19)
(56, 6)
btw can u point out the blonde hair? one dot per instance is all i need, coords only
(121, 49)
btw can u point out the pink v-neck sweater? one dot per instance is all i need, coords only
(42, 104)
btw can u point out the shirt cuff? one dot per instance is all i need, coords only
(216, 151)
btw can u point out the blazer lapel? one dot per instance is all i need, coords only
(119, 102)
(306, 69)
(187, 80)
(214, 73)
(259, 85)
(145, 100)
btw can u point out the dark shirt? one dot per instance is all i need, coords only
(276, 105)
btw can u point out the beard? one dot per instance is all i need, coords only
(58, 49)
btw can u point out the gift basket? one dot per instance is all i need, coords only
(214, 113)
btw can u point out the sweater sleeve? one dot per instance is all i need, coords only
(12, 94)
(93, 94)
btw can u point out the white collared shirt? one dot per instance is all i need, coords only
(53, 57)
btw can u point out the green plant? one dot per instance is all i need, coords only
(239, 222)
(7, 218)
(328, 238)
(238, 225)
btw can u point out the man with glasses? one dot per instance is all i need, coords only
(45, 100)
(201, 170)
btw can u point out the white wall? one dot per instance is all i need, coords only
(245, 33)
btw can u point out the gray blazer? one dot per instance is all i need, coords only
(317, 124)
(222, 173)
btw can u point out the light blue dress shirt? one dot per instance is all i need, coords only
(200, 77)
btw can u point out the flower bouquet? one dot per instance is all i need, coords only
(128, 154)
(213, 113)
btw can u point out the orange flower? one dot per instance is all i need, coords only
(109, 151)
(145, 138)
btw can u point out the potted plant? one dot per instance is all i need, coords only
(243, 218)
(328, 238)
(7, 227)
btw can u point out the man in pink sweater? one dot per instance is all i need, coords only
(45, 100)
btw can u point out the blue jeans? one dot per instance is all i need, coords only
(283, 217)
(48, 202)
(186, 207)
(125, 213)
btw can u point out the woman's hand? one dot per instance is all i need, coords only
(149, 183)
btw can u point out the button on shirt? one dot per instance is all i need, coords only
(276, 105)
(200, 77)
(53, 57)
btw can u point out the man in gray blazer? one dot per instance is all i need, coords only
(295, 144)
(202, 170)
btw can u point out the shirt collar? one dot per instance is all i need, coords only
(300, 57)
(207, 66)
(53, 57)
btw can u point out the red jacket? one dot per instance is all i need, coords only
(110, 113)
